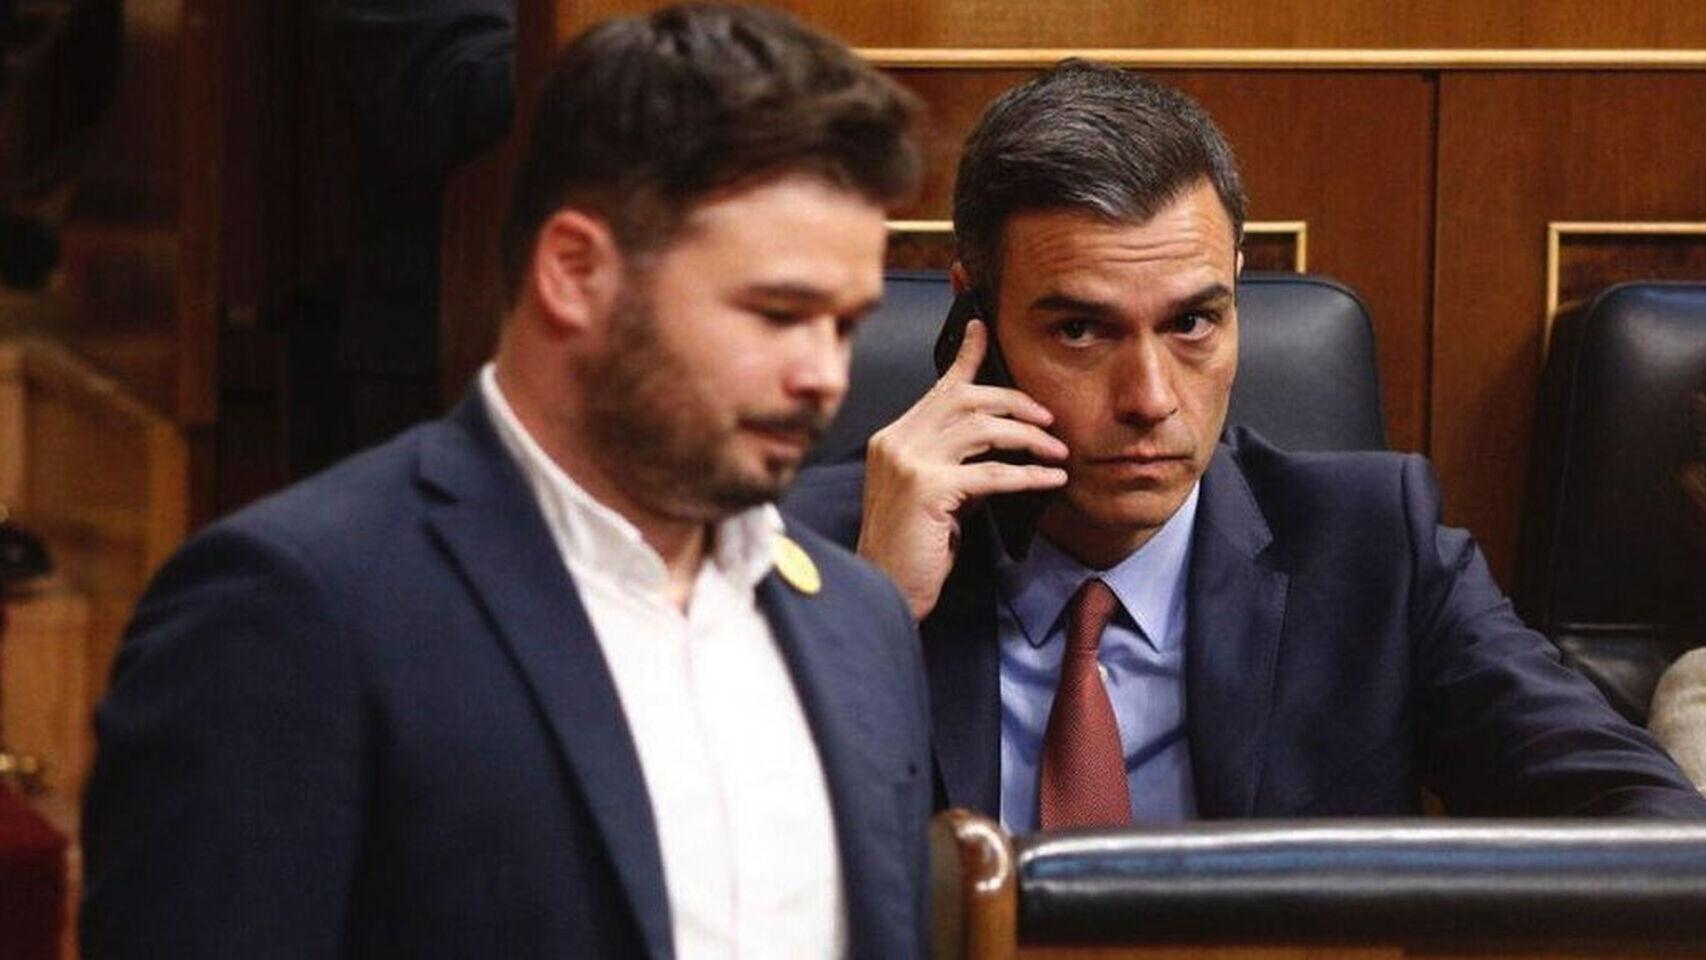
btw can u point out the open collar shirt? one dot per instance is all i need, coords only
(736, 786)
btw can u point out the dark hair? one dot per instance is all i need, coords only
(1090, 136)
(642, 117)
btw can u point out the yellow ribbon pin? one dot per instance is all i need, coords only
(797, 568)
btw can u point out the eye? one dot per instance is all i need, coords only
(1196, 325)
(1076, 331)
(779, 316)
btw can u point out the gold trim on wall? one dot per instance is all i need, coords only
(1298, 229)
(1204, 58)
(1557, 230)
(921, 226)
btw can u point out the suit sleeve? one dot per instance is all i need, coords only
(1506, 728)
(224, 813)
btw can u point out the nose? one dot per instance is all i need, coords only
(818, 365)
(1143, 390)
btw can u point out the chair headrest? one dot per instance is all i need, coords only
(1606, 558)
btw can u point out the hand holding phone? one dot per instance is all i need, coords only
(1016, 514)
(924, 468)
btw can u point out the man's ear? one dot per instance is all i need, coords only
(959, 278)
(1238, 263)
(577, 269)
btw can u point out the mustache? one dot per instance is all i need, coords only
(811, 421)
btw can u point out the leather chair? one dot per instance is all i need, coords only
(1306, 367)
(1607, 567)
(1493, 888)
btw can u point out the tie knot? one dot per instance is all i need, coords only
(1092, 606)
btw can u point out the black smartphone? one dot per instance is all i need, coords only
(1016, 515)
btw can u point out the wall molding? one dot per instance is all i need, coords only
(1268, 58)
(1559, 232)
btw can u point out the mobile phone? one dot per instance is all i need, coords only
(1016, 515)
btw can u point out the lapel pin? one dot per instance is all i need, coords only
(797, 568)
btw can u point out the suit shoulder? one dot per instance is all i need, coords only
(828, 498)
(358, 500)
(1330, 477)
(831, 557)
(853, 578)
(1313, 499)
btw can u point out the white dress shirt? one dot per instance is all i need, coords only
(737, 788)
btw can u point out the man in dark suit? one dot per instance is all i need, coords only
(549, 677)
(1202, 626)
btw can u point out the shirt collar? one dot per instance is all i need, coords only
(595, 537)
(1149, 582)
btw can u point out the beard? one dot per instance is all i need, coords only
(663, 435)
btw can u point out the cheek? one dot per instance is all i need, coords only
(1210, 389)
(1078, 408)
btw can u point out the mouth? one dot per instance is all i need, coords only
(1140, 466)
(795, 433)
(793, 439)
(1140, 456)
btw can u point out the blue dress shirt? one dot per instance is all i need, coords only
(1142, 657)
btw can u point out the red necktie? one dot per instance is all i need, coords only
(1083, 769)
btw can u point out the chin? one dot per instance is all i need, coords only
(730, 491)
(1133, 510)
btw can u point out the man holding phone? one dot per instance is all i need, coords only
(1202, 626)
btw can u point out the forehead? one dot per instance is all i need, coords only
(795, 228)
(1185, 245)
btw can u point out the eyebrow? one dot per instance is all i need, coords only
(1214, 293)
(801, 293)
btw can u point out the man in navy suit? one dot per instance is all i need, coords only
(551, 677)
(1201, 627)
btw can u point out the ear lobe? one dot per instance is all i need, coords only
(1238, 263)
(576, 269)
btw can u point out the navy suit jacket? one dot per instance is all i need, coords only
(1343, 652)
(365, 718)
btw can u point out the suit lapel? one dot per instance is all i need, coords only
(962, 659)
(1236, 608)
(830, 670)
(490, 525)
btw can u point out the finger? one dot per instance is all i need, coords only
(1004, 402)
(990, 477)
(972, 346)
(983, 433)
